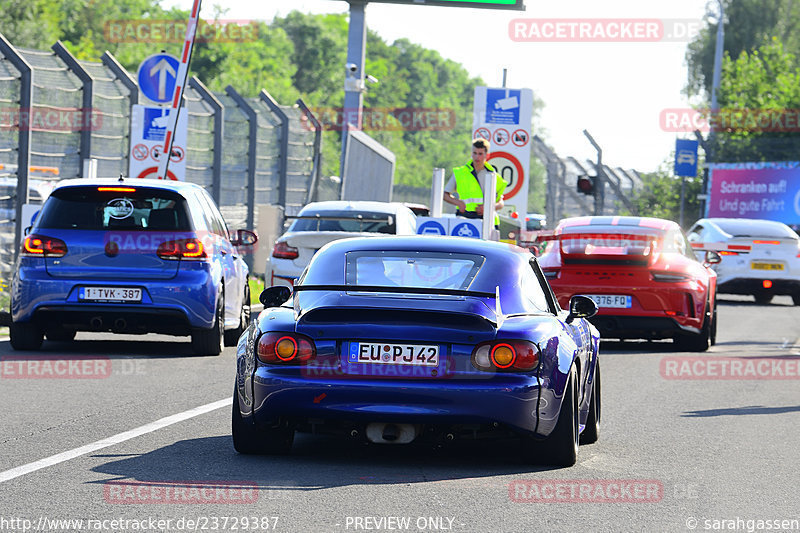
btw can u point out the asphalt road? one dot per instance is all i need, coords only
(101, 445)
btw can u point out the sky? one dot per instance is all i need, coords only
(615, 90)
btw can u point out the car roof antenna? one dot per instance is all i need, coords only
(121, 179)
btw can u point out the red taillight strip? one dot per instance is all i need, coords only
(116, 189)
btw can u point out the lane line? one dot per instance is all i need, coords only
(111, 441)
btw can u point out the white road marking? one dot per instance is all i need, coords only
(111, 441)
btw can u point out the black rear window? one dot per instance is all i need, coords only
(355, 221)
(756, 228)
(121, 208)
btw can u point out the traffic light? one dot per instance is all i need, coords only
(586, 184)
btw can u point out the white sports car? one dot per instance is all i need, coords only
(319, 223)
(759, 257)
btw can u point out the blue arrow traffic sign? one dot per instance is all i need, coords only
(156, 77)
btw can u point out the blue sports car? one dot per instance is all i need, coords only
(420, 338)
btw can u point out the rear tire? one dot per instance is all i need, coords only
(232, 336)
(699, 342)
(592, 430)
(60, 334)
(210, 341)
(561, 447)
(250, 440)
(763, 298)
(796, 298)
(25, 336)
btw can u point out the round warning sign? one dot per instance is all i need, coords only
(152, 173)
(510, 169)
(177, 154)
(155, 152)
(140, 152)
(520, 138)
(500, 136)
(482, 133)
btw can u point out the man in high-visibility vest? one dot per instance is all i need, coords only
(467, 182)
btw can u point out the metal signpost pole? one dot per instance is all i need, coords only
(600, 181)
(180, 80)
(354, 74)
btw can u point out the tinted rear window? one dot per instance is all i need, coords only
(432, 270)
(92, 209)
(355, 221)
(756, 228)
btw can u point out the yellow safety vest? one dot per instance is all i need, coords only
(469, 189)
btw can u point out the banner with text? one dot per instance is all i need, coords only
(755, 190)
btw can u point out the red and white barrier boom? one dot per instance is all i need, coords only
(180, 83)
(721, 247)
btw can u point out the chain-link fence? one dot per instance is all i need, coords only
(57, 113)
(616, 186)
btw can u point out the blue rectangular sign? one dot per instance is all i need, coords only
(686, 158)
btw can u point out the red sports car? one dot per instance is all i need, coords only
(642, 274)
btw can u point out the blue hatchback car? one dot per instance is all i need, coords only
(420, 338)
(130, 256)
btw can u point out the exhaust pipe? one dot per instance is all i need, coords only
(120, 324)
(96, 323)
(383, 433)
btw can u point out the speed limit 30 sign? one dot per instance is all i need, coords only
(505, 114)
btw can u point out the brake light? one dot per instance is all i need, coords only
(723, 252)
(41, 246)
(277, 347)
(284, 251)
(506, 355)
(182, 249)
(116, 189)
(766, 242)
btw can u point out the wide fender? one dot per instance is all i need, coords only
(270, 319)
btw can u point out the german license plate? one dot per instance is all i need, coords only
(766, 266)
(107, 294)
(611, 300)
(394, 354)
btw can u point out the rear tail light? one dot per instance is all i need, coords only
(41, 246)
(284, 251)
(767, 284)
(724, 252)
(670, 277)
(506, 356)
(766, 242)
(182, 249)
(277, 348)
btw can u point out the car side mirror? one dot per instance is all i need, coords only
(712, 257)
(581, 307)
(244, 237)
(275, 296)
